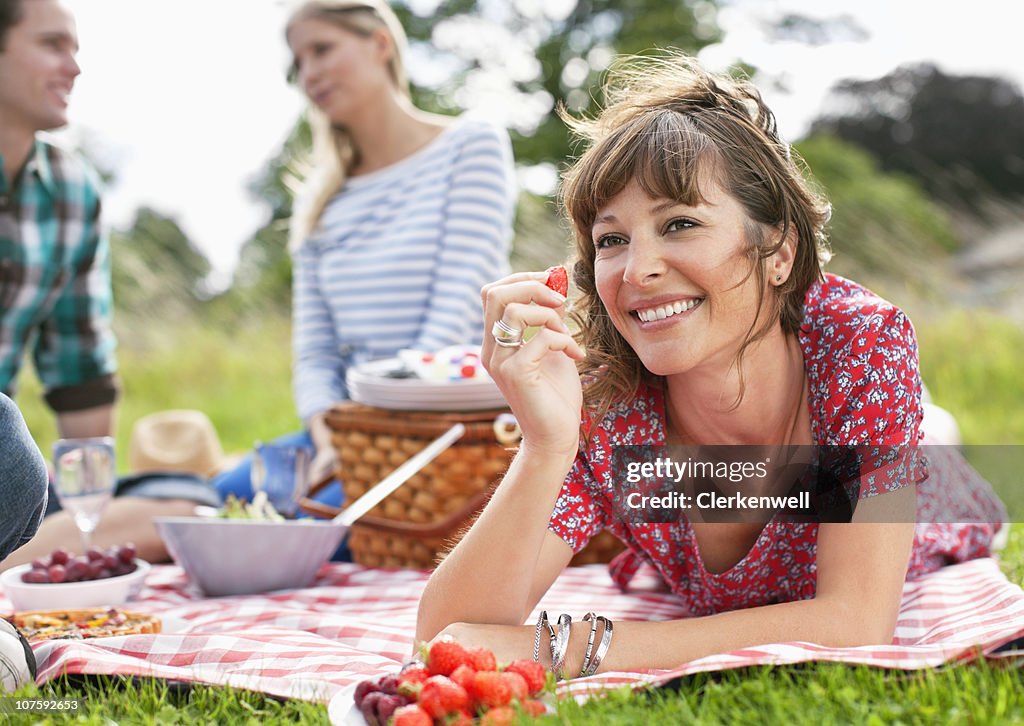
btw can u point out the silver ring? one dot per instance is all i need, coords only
(505, 335)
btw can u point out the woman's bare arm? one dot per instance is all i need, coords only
(507, 560)
(861, 569)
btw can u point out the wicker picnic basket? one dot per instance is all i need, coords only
(427, 515)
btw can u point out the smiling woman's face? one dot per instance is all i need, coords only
(675, 279)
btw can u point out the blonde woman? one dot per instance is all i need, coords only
(404, 215)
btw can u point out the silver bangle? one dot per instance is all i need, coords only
(560, 645)
(590, 668)
(592, 619)
(542, 621)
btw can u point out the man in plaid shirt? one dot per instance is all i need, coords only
(55, 295)
(55, 277)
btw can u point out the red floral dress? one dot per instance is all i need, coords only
(861, 361)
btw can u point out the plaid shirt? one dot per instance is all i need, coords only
(55, 295)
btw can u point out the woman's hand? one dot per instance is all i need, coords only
(325, 459)
(507, 642)
(539, 378)
(323, 466)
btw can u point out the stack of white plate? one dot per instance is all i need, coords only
(375, 384)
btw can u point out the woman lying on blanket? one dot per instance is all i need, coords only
(704, 318)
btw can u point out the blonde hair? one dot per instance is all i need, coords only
(669, 125)
(334, 154)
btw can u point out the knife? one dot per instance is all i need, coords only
(379, 491)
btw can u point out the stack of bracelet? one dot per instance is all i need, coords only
(559, 641)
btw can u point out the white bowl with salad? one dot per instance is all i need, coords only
(249, 548)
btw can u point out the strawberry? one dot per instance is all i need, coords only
(411, 680)
(534, 708)
(481, 659)
(558, 280)
(441, 695)
(532, 672)
(502, 716)
(445, 656)
(491, 690)
(412, 715)
(460, 718)
(516, 685)
(463, 675)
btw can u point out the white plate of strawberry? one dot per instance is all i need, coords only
(452, 685)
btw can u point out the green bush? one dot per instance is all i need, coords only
(884, 228)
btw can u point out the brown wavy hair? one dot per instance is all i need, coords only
(668, 124)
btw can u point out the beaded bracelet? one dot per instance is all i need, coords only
(561, 644)
(590, 665)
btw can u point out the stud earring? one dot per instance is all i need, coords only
(778, 278)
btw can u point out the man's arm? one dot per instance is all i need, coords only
(88, 422)
(74, 352)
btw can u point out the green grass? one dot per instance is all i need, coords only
(972, 366)
(117, 700)
(817, 694)
(241, 380)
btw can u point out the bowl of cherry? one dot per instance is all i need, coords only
(64, 580)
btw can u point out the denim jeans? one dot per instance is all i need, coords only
(23, 480)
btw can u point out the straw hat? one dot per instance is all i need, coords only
(179, 441)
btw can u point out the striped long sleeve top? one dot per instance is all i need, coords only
(399, 258)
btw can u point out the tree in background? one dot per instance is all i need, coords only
(885, 230)
(962, 137)
(157, 273)
(527, 56)
(262, 279)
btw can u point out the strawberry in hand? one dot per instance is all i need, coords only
(558, 280)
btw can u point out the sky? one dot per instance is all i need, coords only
(186, 101)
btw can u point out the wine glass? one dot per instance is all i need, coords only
(84, 475)
(281, 471)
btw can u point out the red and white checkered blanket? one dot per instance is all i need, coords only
(357, 623)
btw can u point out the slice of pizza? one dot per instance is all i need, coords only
(89, 623)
